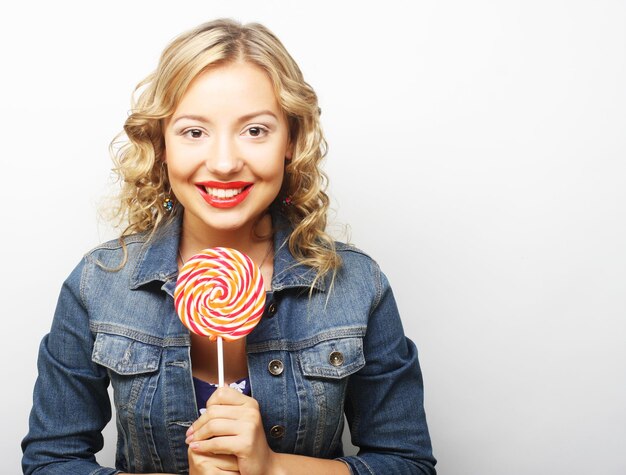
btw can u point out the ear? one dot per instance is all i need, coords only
(163, 163)
(289, 152)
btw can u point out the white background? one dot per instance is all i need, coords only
(477, 150)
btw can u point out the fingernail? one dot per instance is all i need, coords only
(194, 445)
(189, 431)
(188, 439)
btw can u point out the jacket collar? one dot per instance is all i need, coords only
(288, 272)
(157, 259)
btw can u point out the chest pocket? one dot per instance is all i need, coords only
(325, 368)
(332, 359)
(125, 356)
(132, 366)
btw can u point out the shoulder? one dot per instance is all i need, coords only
(98, 276)
(347, 248)
(109, 261)
(355, 260)
(352, 253)
(360, 273)
(114, 252)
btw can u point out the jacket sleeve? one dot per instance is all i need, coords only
(384, 403)
(70, 403)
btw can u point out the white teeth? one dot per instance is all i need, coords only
(222, 193)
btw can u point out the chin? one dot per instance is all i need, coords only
(228, 225)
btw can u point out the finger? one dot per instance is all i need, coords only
(221, 398)
(219, 411)
(225, 445)
(228, 396)
(214, 428)
(223, 413)
(212, 412)
(218, 461)
(225, 403)
(249, 408)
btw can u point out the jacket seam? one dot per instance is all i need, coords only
(345, 247)
(277, 345)
(83, 282)
(379, 288)
(367, 466)
(138, 336)
(115, 244)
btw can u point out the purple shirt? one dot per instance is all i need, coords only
(204, 390)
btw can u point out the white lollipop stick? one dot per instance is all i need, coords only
(220, 363)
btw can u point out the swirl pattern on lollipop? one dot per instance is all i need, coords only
(220, 293)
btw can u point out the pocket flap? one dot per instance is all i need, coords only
(125, 355)
(333, 359)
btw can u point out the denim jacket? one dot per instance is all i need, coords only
(311, 358)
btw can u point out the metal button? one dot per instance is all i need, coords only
(336, 358)
(276, 367)
(271, 309)
(277, 431)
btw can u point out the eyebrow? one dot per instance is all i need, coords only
(243, 118)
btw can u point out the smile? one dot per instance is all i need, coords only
(224, 195)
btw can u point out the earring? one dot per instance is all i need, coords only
(287, 201)
(168, 204)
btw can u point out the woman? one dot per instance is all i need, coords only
(224, 147)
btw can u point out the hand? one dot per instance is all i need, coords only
(232, 425)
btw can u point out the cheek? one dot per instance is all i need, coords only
(177, 171)
(182, 161)
(270, 171)
(267, 162)
(273, 172)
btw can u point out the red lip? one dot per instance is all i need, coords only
(224, 202)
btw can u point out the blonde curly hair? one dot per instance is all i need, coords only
(139, 161)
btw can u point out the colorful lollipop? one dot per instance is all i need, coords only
(220, 294)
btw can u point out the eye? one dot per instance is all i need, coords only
(193, 133)
(256, 131)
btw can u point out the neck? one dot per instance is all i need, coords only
(196, 238)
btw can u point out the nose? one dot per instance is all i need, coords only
(223, 158)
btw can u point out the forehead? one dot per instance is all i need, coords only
(233, 88)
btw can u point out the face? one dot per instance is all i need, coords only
(225, 148)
